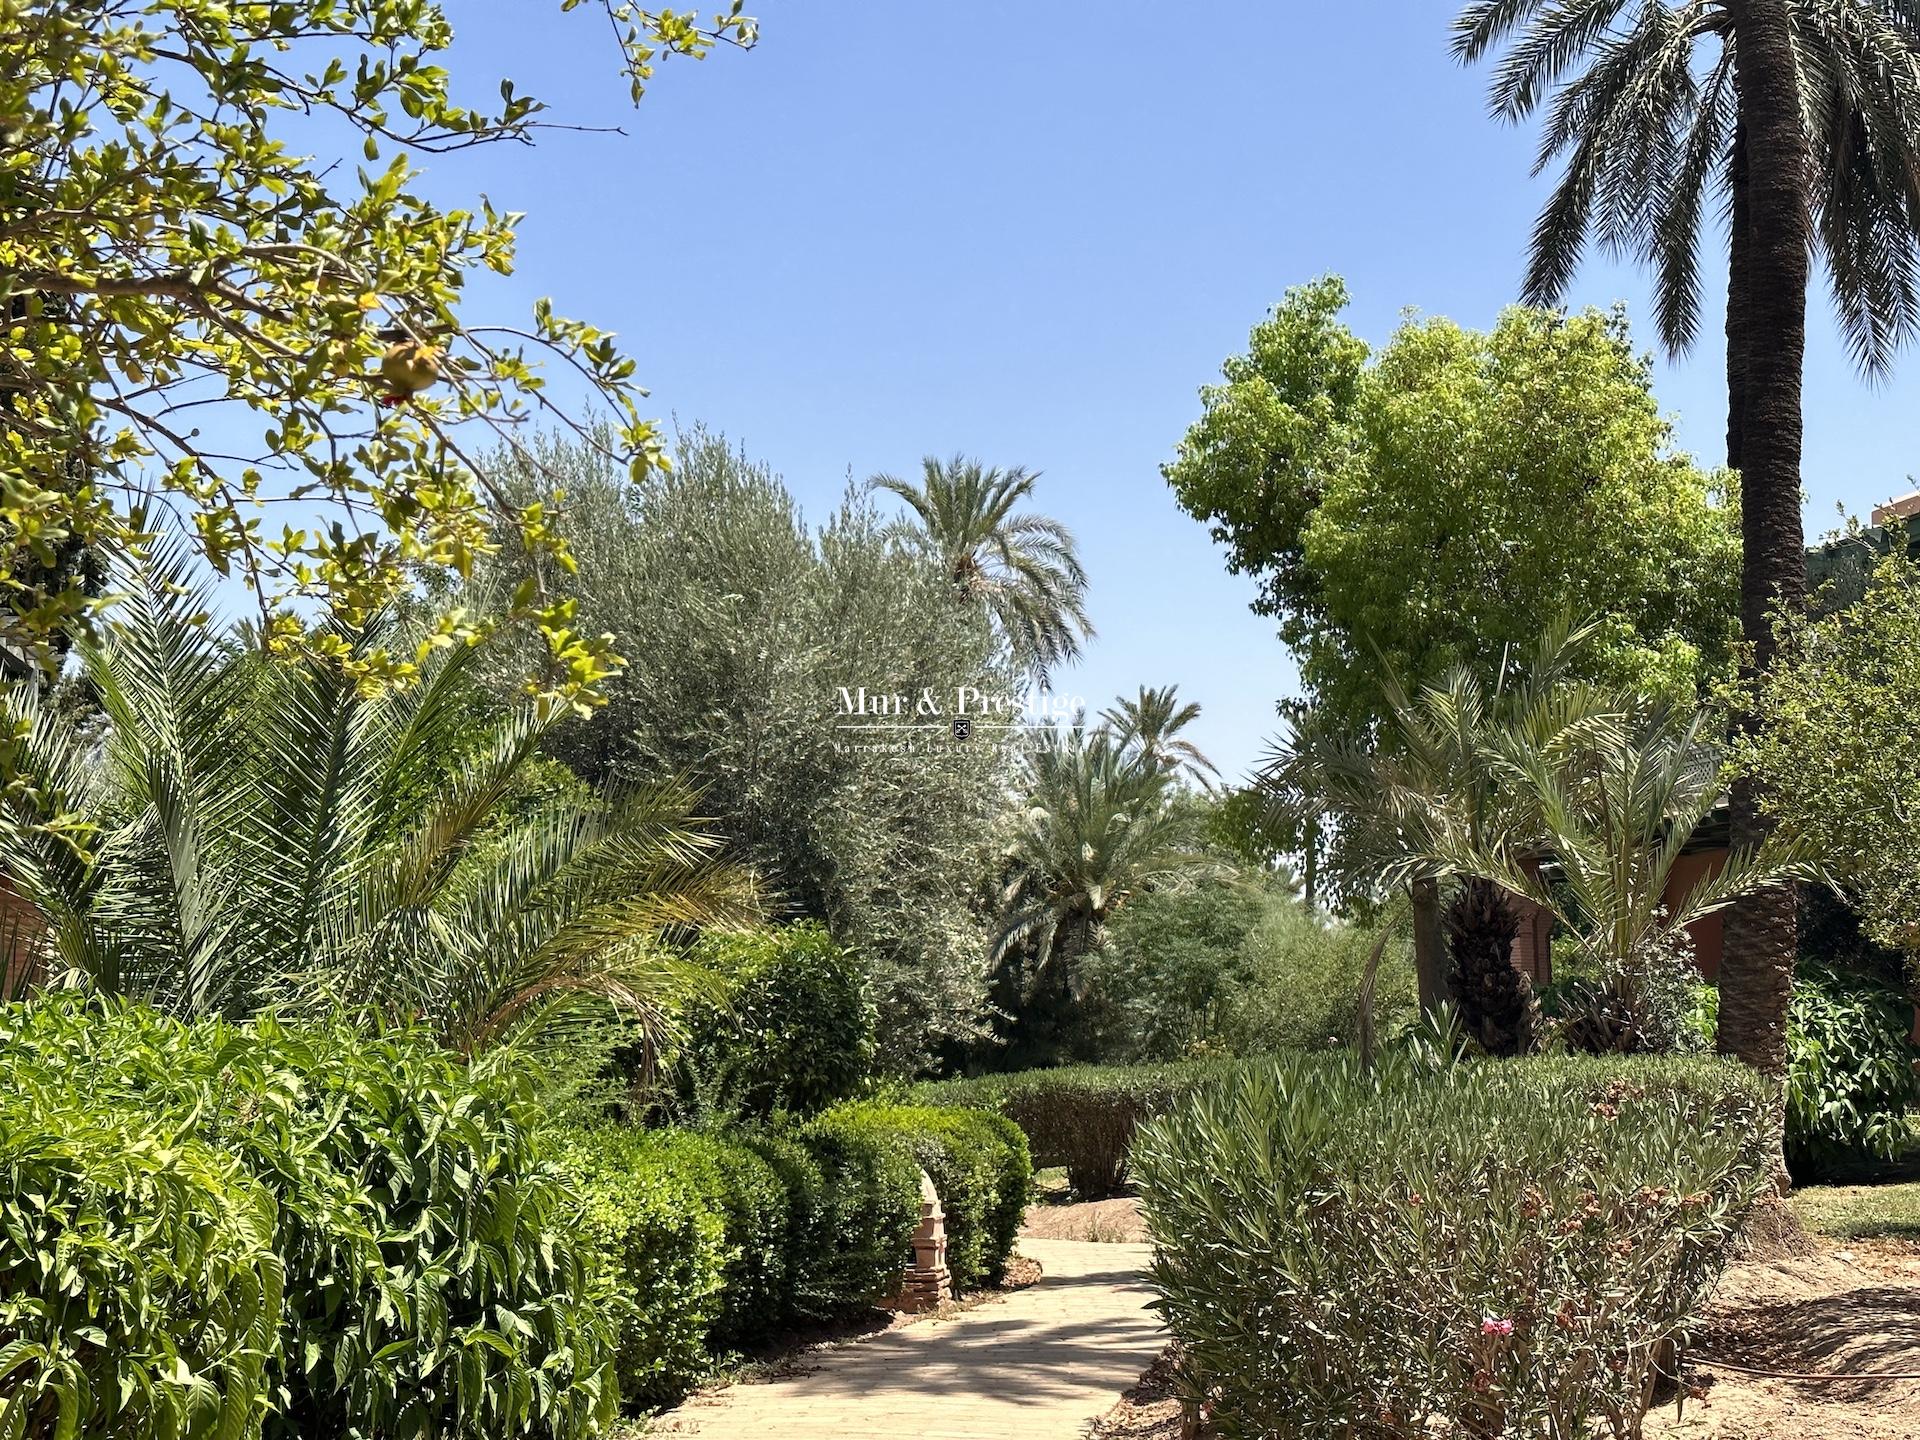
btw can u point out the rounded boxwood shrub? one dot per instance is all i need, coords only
(1496, 1248)
(659, 1243)
(865, 1212)
(430, 1283)
(794, 1032)
(979, 1165)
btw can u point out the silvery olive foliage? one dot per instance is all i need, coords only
(741, 624)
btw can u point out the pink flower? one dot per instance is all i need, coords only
(1496, 1326)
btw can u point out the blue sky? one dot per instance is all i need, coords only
(1031, 233)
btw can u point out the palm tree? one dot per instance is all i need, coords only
(1022, 568)
(257, 834)
(1428, 789)
(1147, 726)
(1579, 798)
(1807, 110)
(1096, 829)
(1614, 824)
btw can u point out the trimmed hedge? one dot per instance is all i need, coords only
(1502, 1248)
(307, 1229)
(1080, 1116)
(676, 1239)
(865, 1213)
(980, 1166)
(715, 1240)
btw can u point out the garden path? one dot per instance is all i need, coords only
(1038, 1365)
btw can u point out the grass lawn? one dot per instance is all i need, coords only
(1858, 1212)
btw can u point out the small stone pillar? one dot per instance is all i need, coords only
(927, 1282)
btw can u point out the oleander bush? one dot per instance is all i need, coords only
(428, 1283)
(794, 1031)
(1080, 1116)
(979, 1164)
(1482, 1249)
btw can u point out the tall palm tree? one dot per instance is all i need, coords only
(1096, 829)
(264, 835)
(1022, 567)
(1807, 109)
(1147, 726)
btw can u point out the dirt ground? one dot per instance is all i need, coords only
(1809, 1306)
(1849, 1310)
(1109, 1221)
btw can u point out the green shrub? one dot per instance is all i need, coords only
(1232, 967)
(431, 1286)
(1501, 1248)
(660, 1245)
(1851, 1076)
(864, 1214)
(1079, 1116)
(979, 1165)
(794, 1032)
(165, 1304)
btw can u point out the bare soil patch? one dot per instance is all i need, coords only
(1104, 1221)
(1850, 1312)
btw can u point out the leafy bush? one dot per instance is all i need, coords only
(692, 1232)
(1235, 968)
(166, 1305)
(1302, 990)
(794, 1032)
(1079, 1116)
(431, 1287)
(980, 1166)
(1501, 1247)
(864, 1214)
(1851, 1071)
(660, 1250)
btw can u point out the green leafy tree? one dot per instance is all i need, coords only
(260, 835)
(1808, 112)
(205, 296)
(1022, 568)
(743, 626)
(1834, 755)
(1426, 508)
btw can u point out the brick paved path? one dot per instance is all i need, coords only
(1037, 1365)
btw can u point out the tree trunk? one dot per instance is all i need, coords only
(1312, 867)
(1756, 973)
(1495, 999)
(1429, 946)
(1738, 249)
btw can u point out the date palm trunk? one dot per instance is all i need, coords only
(1768, 312)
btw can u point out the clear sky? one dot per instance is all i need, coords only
(1031, 233)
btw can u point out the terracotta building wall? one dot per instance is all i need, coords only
(20, 931)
